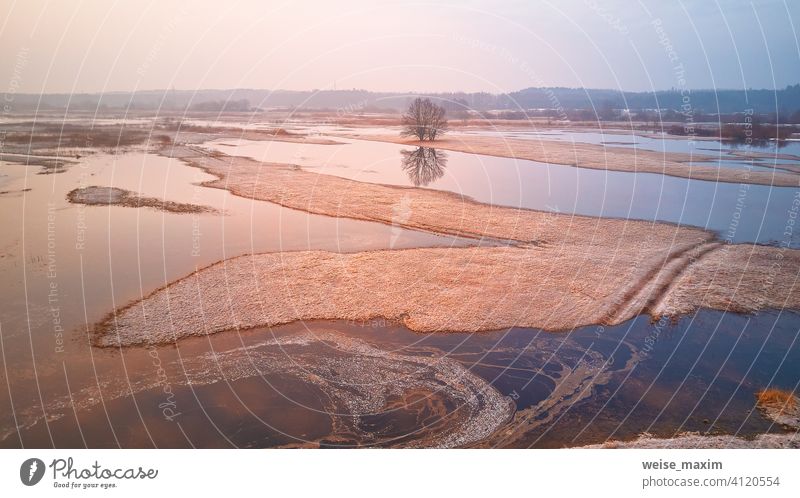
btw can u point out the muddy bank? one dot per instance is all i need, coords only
(14, 193)
(601, 157)
(55, 145)
(698, 441)
(780, 406)
(113, 196)
(784, 412)
(47, 164)
(193, 134)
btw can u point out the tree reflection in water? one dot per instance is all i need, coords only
(424, 165)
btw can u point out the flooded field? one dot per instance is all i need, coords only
(739, 213)
(67, 265)
(329, 231)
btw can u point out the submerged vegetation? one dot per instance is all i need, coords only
(113, 196)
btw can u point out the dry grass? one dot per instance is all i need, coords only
(77, 136)
(776, 397)
(741, 278)
(780, 405)
(562, 272)
(469, 289)
(428, 290)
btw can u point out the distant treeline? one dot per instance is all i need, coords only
(785, 101)
(241, 105)
(558, 103)
(656, 117)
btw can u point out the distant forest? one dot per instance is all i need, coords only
(558, 103)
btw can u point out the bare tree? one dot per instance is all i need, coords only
(424, 119)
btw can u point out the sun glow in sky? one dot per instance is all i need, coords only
(478, 45)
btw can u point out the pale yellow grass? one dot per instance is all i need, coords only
(561, 271)
(742, 278)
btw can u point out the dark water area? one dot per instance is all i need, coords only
(700, 373)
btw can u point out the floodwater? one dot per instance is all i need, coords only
(292, 385)
(738, 213)
(65, 266)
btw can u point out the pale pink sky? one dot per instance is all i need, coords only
(96, 45)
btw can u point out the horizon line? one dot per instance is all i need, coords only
(406, 92)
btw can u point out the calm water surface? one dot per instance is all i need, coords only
(740, 213)
(582, 387)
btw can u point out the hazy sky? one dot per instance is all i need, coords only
(97, 45)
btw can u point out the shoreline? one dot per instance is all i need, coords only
(783, 414)
(426, 290)
(114, 196)
(421, 209)
(591, 156)
(693, 440)
(564, 272)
